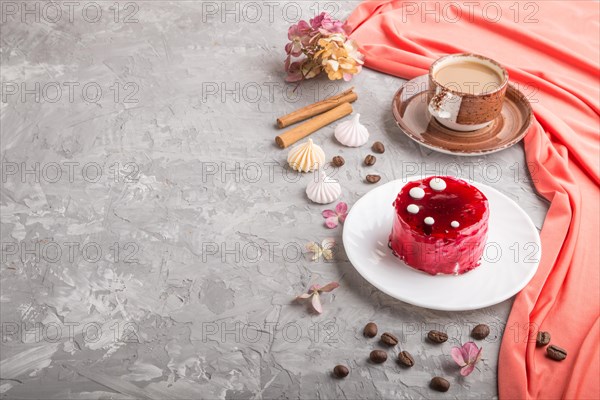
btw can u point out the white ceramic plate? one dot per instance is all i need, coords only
(511, 257)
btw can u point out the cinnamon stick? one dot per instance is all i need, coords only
(306, 128)
(317, 108)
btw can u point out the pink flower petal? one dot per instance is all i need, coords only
(328, 213)
(292, 31)
(294, 71)
(295, 77)
(316, 21)
(471, 351)
(458, 356)
(478, 356)
(316, 303)
(342, 218)
(314, 288)
(303, 296)
(467, 369)
(303, 27)
(466, 357)
(329, 287)
(331, 222)
(341, 208)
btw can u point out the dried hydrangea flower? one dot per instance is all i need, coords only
(314, 294)
(325, 249)
(322, 44)
(337, 216)
(339, 57)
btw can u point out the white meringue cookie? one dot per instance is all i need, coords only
(352, 133)
(306, 157)
(324, 190)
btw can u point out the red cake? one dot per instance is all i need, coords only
(440, 226)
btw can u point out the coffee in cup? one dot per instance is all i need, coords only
(466, 91)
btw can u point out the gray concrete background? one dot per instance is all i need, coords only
(153, 251)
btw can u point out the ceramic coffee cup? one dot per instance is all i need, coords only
(466, 91)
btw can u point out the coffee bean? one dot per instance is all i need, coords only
(440, 384)
(437, 336)
(370, 160)
(556, 353)
(378, 356)
(338, 161)
(480, 332)
(543, 338)
(373, 178)
(370, 329)
(378, 147)
(406, 359)
(341, 371)
(389, 339)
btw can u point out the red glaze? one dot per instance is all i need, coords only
(440, 248)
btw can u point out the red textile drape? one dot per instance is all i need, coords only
(551, 48)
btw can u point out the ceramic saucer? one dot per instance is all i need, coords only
(411, 114)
